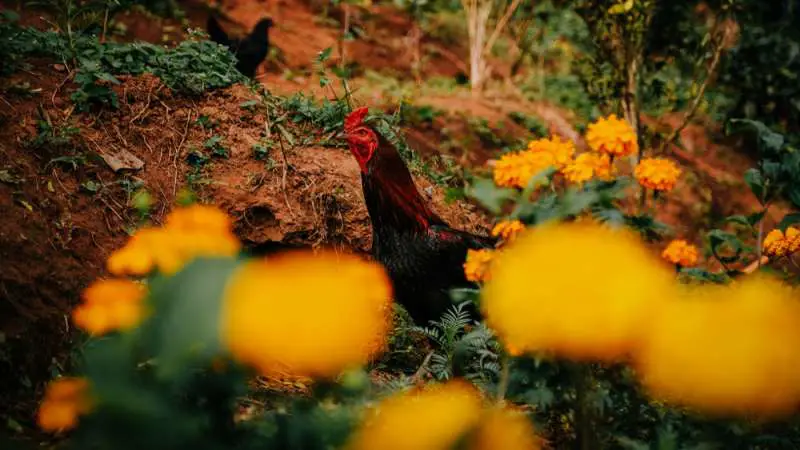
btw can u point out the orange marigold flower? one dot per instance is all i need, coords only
(726, 349)
(303, 314)
(560, 150)
(476, 267)
(586, 166)
(612, 136)
(508, 229)
(775, 244)
(516, 169)
(110, 305)
(681, 253)
(793, 236)
(657, 173)
(64, 401)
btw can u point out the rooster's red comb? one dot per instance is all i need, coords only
(355, 118)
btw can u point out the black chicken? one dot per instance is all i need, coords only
(250, 51)
(422, 254)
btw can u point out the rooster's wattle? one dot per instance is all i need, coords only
(422, 254)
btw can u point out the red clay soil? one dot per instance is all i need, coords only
(56, 233)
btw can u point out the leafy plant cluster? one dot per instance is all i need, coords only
(192, 67)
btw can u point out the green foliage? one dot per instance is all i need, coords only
(193, 67)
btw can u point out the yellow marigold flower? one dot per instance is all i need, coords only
(681, 253)
(657, 173)
(775, 244)
(516, 169)
(189, 233)
(303, 314)
(586, 166)
(503, 428)
(612, 136)
(561, 151)
(508, 229)
(64, 401)
(580, 290)
(476, 268)
(793, 236)
(110, 305)
(199, 217)
(432, 419)
(726, 349)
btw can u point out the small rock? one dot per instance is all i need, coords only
(59, 68)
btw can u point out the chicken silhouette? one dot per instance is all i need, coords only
(422, 254)
(249, 51)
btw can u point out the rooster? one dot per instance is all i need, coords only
(422, 254)
(250, 51)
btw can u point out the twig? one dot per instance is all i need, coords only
(283, 176)
(422, 368)
(505, 375)
(689, 115)
(105, 27)
(501, 24)
(58, 88)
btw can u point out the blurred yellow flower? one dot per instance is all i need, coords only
(560, 150)
(110, 305)
(657, 173)
(726, 349)
(431, 419)
(303, 314)
(612, 136)
(476, 267)
(190, 232)
(777, 244)
(64, 401)
(199, 217)
(586, 166)
(503, 428)
(580, 290)
(681, 253)
(508, 229)
(516, 169)
(439, 416)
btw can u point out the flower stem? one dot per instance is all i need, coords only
(583, 413)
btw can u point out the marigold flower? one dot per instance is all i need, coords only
(190, 232)
(657, 173)
(586, 166)
(579, 290)
(64, 401)
(681, 253)
(612, 136)
(476, 268)
(110, 305)
(507, 429)
(516, 169)
(560, 150)
(726, 349)
(508, 229)
(433, 418)
(306, 315)
(777, 244)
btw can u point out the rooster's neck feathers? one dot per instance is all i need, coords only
(392, 198)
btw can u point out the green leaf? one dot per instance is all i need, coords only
(767, 139)
(789, 220)
(794, 195)
(489, 195)
(324, 55)
(754, 179)
(722, 242)
(188, 305)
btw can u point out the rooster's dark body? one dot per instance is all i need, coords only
(251, 51)
(422, 254)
